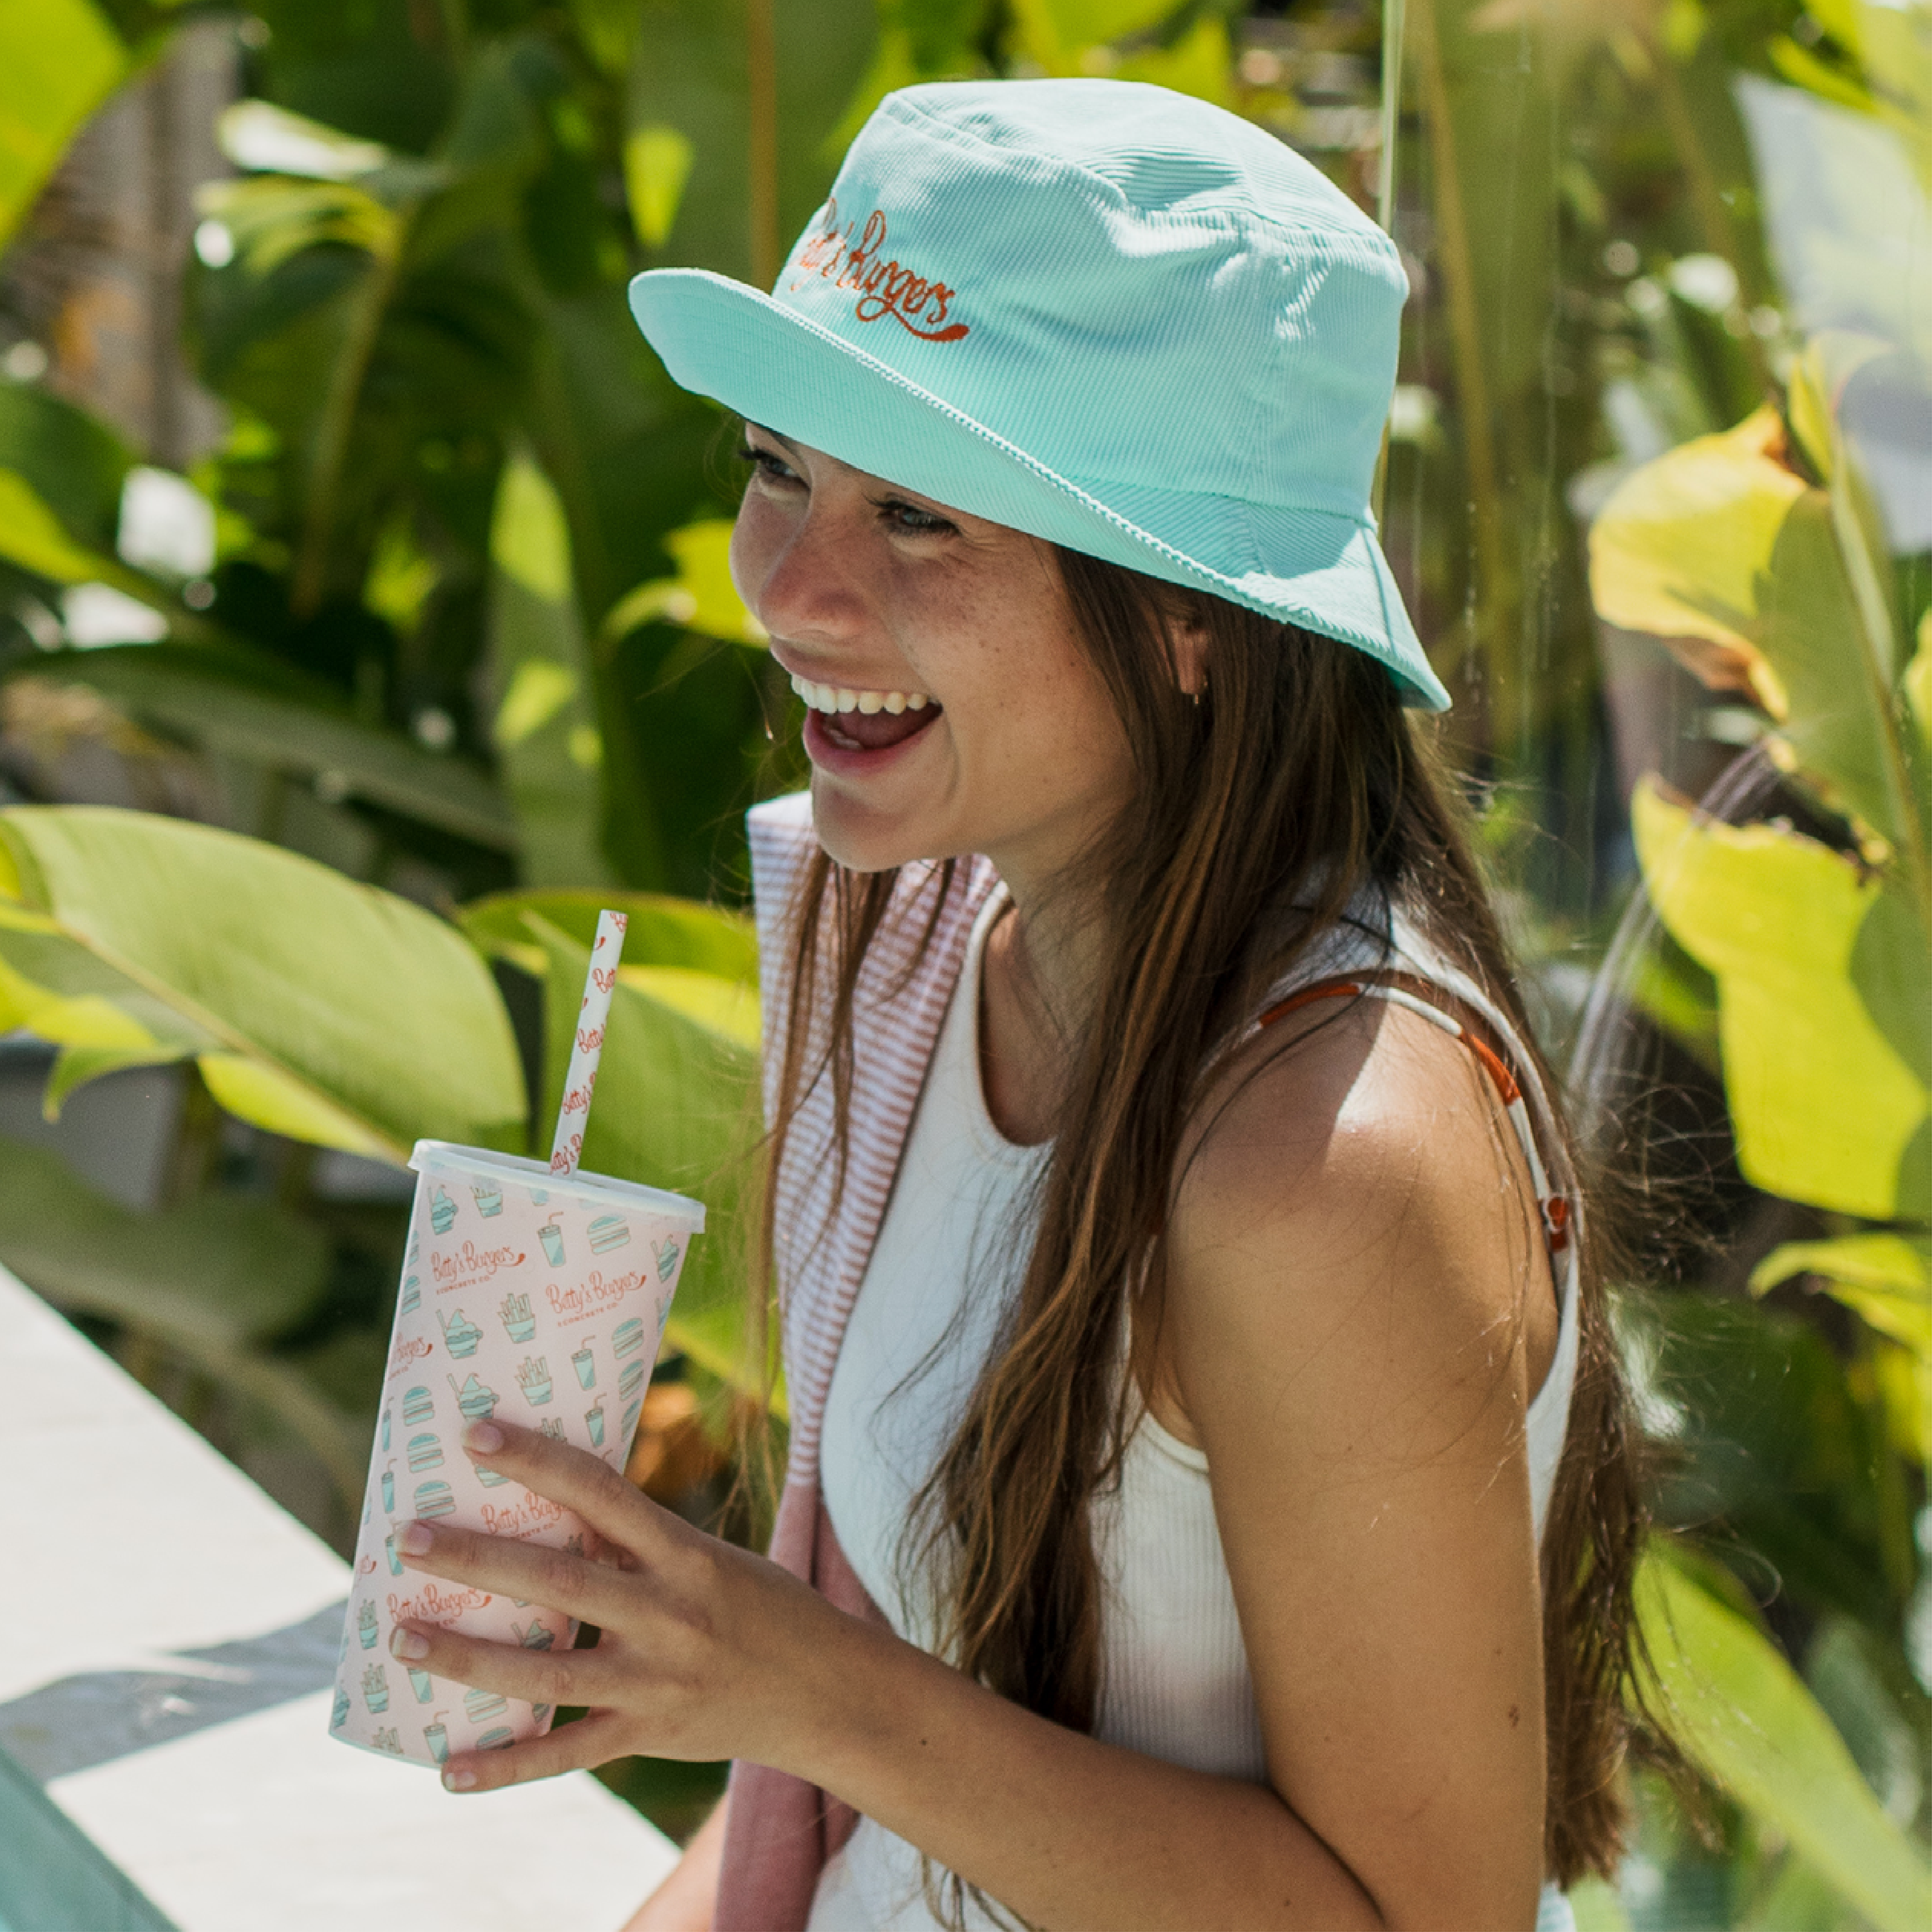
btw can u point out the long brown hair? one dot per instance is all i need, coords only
(1297, 783)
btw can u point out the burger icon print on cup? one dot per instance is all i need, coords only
(534, 1267)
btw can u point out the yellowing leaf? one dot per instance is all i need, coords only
(721, 1006)
(268, 1098)
(1870, 1261)
(86, 1020)
(657, 164)
(1822, 1106)
(1682, 548)
(1831, 359)
(1917, 683)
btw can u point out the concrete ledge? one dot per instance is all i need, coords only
(171, 1634)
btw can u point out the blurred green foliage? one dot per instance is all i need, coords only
(461, 627)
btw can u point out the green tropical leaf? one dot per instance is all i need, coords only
(345, 1015)
(545, 729)
(701, 597)
(59, 59)
(73, 464)
(217, 1273)
(1824, 1104)
(241, 705)
(675, 934)
(675, 1105)
(1746, 1718)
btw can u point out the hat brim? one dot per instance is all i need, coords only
(773, 366)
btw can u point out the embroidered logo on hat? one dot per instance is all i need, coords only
(886, 288)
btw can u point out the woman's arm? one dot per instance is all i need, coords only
(688, 1896)
(1346, 1271)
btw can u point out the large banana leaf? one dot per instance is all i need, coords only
(242, 705)
(216, 1273)
(664, 933)
(1828, 1101)
(675, 1105)
(314, 1007)
(59, 59)
(1745, 1716)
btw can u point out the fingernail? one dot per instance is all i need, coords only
(407, 1643)
(414, 1539)
(485, 1438)
(459, 1780)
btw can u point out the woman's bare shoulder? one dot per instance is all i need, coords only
(1352, 1190)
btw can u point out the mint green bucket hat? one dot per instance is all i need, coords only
(1110, 315)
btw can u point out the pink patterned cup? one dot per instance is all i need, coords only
(500, 1321)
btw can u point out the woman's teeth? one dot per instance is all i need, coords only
(834, 697)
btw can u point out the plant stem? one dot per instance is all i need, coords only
(1472, 387)
(761, 102)
(1714, 218)
(1393, 26)
(368, 306)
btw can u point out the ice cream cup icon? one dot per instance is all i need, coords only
(594, 1418)
(442, 1212)
(537, 1637)
(365, 1626)
(376, 1688)
(667, 1254)
(489, 1199)
(389, 1491)
(420, 1684)
(411, 1295)
(585, 1363)
(461, 1333)
(436, 1736)
(476, 1399)
(339, 1716)
(389, 1551)
(628, 1337)
(418, 1406)
(551, 1236)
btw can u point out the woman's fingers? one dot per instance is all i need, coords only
(573, 1477)
(591, 1741)
(528, 1573)
(551, 1677)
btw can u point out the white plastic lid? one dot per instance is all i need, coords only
(449, 1157)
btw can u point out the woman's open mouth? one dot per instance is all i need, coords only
(866, 721)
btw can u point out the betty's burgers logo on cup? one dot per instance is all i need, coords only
(886, 288)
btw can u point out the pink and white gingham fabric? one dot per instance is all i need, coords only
(779, 1830)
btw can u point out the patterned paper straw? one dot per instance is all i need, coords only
(574, 1115)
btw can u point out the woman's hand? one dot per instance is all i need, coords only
(699, 1638)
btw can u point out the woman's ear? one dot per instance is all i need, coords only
(1187, 639)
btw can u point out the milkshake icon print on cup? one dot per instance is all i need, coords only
(517, 1264)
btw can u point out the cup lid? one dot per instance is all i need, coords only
(593, 1190)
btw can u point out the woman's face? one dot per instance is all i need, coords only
(951, 709)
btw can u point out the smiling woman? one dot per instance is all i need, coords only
(1208, 1502)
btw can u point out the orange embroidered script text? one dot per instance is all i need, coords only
(885, 288)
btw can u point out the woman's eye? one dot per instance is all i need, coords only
(910, 519)
(768, 463)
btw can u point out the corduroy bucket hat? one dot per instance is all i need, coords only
(1107, 314)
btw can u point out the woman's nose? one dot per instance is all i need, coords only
(799, 573)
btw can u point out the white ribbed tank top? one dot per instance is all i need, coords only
(946, 1264)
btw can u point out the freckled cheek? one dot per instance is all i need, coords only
(755, 538)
